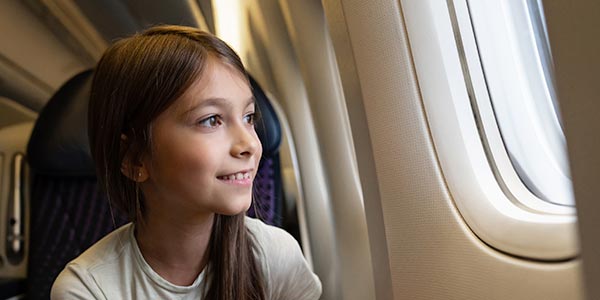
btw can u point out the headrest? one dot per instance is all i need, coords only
(59, 143)
(267, 124)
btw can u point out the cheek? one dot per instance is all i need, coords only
(201, 160)
(191, 160)
(259, 149)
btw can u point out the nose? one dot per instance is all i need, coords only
(245, 142)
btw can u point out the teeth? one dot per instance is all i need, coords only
(236, 176)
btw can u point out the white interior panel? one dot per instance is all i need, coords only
(12, 113)
(432, 253)
(308, 32)
(13, 140)
(32, 60)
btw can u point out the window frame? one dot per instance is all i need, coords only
(516, 97)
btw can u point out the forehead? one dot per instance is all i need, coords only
(217, 81)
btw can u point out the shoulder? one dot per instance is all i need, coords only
(77, 280)
(275, 246)
(286, 271)
(269, 237)
(74, 282)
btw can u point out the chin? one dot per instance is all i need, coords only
(236, 207)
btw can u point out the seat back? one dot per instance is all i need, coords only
(69, 212)
(268, 187)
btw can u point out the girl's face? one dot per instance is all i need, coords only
(205, 150)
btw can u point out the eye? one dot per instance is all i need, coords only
(249, 118)
(211, 122)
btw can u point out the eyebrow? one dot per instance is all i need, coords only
(219, 102)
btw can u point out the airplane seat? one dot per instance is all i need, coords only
(268, 184)
(68, 210)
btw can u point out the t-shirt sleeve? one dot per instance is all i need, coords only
(74, 283)
(288, 273)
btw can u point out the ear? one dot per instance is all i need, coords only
(135, 171)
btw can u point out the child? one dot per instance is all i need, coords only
(171, 131)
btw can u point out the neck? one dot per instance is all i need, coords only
(175, 248)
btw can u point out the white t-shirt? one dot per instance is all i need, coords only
(114, 268)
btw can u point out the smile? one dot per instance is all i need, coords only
(239, 176)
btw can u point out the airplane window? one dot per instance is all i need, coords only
(513, 46)
(486, 81)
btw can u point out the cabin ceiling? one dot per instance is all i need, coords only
(68, 36)
(79, 23)
(115, 18)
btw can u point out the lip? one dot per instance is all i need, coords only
(235, 172)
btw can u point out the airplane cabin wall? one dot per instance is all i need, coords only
(33, 61)
(432, 253)
(308, 32)
(573, 29)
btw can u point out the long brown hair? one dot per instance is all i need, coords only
(137, 79)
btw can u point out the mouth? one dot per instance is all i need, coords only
(239, 178)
